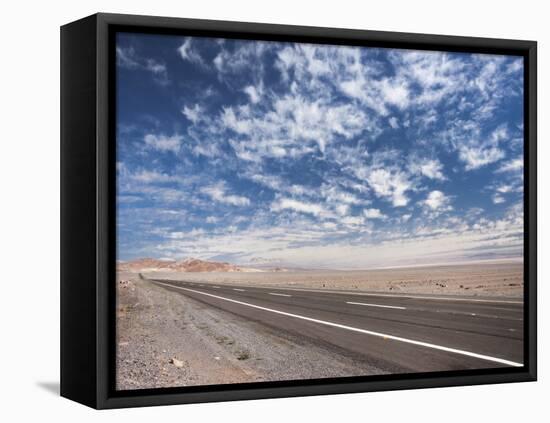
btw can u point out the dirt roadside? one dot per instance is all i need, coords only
(167, 340)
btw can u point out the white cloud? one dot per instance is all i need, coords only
(503, 189)
(437, 201)
(307, 68)
(499, 134)
(193, 114)
(498, 199)
(334, 194)
(476, 149)
(242, 56)
(304, 59)
(513, 165)
(218, 62)
(393, 122)
(152, 176)
(187, 52)
(438, 75)
(499, 195)
(393, 185)
(316, 63)
(292, 125)
(273, 182)
(353, 221)
(373, 214)
(405, 217)
(430, 168)
(128, 58)
(155, 67)
(301, 244)
(240, 125)
(253, 93)
(395, 92)
(163, 142)
(121, 168)
(329, 225)
(298, 206)
(342, 209)
(476, 157)
(218, 193)
(207, 150)
(366, 91)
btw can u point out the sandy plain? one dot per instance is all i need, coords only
(503, 278)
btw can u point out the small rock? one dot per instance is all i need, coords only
(176, 362)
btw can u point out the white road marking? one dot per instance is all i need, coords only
(215, 286)
(354, 329)
(238, 289)
(280, 295)
(376, 305)
(412, 296)
(488, 316)
(420, 297)
(474, 300)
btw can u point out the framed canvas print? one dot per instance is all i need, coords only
(254, 211)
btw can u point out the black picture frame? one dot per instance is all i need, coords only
(88, 210)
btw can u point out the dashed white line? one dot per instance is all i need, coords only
(279, 295)
(238, 289)
(215, 287)
(420, 297)
(377, 305)
(359, 330)
(416, 297)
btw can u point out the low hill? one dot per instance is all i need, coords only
(187, 265)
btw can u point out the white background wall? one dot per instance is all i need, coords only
(29, 231)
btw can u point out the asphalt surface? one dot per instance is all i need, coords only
(396, 333)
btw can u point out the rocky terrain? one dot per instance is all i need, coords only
(167, 340)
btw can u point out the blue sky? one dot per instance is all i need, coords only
(316, 156)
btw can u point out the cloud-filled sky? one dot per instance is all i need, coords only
(316, 156)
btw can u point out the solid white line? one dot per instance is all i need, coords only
(279, 295)
(376, 305)
(238, 289)
(354, 329)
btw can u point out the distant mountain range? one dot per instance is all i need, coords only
(187, 265)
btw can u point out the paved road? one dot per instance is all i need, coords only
(396, 333)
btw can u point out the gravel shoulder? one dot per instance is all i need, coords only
(167, 340)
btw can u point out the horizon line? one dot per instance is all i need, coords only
(304, 268)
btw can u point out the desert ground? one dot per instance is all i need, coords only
(167, 339)
(504, 278)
